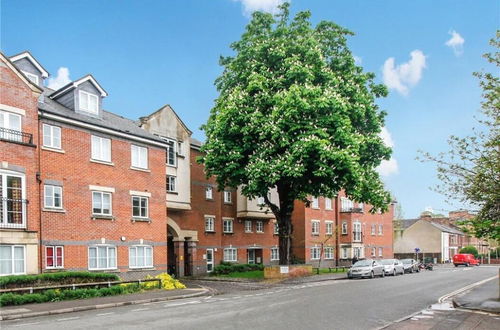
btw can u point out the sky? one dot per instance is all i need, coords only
(148, 53)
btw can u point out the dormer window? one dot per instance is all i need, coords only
(32, 77)
(89, 102)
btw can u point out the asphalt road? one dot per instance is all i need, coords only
(344, 304)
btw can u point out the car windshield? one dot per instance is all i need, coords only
(387, 261)
(406, 261)
(363, 263)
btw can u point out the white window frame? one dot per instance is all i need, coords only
(172, 147)
(209, 192)
(87, 96)
(54, 256)
(275, 253)
(7, 124)
(276, 230)
(361, 206)
(261, 201)
(315, 227)
(345, 253)
(346, 204)
(248, 226)
(53, 138)
(209, 223)
(148, 261)
(230, 254)
(12, 260)
(227, 197)
(380, 229)
(328, 252)
(108, 248)
(3, 200)
(100, 148)
(30, 76)
(139, 157)
(140, 207)
(315, 203)
(328, 204)
(380, 252)
(357, 252)
(315, 253)
(357, 231)
(345, 229)
(329, 227)
(52, 196)
(227, 226)
(259, 226)
(102, 193)
(171, 187)
(373, 229)
(374, 252)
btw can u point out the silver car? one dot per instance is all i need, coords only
(366, 268)
(392, 267)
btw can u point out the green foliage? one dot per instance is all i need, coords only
(255, 274)
(226, 268)
(60, 278)
(470, 250)
(295, 113)
(470, 170)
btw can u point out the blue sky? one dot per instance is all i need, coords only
(150, 53)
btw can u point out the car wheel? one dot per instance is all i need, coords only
(456, 265)
(394, 272)
(372, 274)
(467, 265)
(383, 273)
(418, 270)
(411, 271)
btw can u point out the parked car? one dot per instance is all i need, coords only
(465, 259)
(410, 265)
(392, 267)
(366, 268)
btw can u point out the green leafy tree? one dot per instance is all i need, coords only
(470, 250)
(470, 170)
(297, 115)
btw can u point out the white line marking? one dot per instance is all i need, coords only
(470, 286)
(182, 304)
(139, 309)
(104, 314)
(68, 319)
(23, 324)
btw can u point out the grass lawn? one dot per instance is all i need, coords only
(250, 274)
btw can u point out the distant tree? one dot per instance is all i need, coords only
(470, 171)
(296, 114)
(469, 249)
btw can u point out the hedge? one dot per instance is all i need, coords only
(469, 249)
(59, 278)
(226, 268)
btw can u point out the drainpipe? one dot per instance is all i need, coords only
(39, 181)
(337, 232)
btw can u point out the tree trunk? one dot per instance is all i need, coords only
(285, 239)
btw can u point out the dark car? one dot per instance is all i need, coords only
(410, 265)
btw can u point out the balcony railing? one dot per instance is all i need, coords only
(13, 213)
(15, 136)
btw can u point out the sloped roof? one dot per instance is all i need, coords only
(77, 82)
(169, 107)
(31, 58)
(405, 223)
(446, 229)
(34, 87)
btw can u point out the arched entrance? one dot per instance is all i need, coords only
(181, 249)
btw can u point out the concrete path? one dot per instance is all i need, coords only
(484, 298)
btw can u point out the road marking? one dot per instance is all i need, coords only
(186, 303)
(139, 309)
(68, 319)
(465, 288)
(104, 314)
(23, 324)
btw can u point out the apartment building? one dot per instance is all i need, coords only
(99, 179)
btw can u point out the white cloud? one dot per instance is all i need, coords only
(268, 6)
(386, 137)
(60, 80)
(456, 42)
(406, 75)
(357, 60)
(387, 167)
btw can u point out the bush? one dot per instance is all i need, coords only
(226, 268)
(469, 249)
(167, 282)
(59, 278)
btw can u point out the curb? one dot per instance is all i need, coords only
(100, 306)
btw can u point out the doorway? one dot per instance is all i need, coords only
(210, 260)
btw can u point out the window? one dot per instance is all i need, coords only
(315, 227)
(140, 207)
(248, 226)
(380, 252)
(101, 149)
(344, 253)
(230, 255)
(361, 206)
(12, 202)
(261, 201)
(259, 226)
(374, 229)
(374, 251)
(209, 193)
(52, 197)
(209, 224)
(275, 253)
(171, 155)
(180, 149)
(380, 229)
(11, 124)
(357, 252)
(344, 228)
(276, 228)
(54, 257)
(89, 102)
(171, 184)
(315, 203)
(139, 156)
(315, 253)
(101, 203)
(12, 259)
(329, 227)
(346, 204)
(328, 251)
(328, 203)
(140, 256)
(32, 77)
(51, 136)
(357, 232)
(102, 257)
(227, 196)
(227, 225)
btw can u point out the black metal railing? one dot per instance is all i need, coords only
(15, 136)
(13, 213)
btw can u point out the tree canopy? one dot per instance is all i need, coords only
(297, 114)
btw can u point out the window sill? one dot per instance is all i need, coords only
(141, 220)
(53, 269)
(102, 217)
(248, 232)
(139, 269)
(172, 166)
(103, 162)
(228, 203)
(140, 169)
(259, 232)
(314, 234)
(228, 233)
(172, 192)
(315, 208)
(48, 209)
(105, 270)
(209, 231)
(53, 149)
(210, 199)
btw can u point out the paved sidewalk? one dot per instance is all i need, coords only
(69, 306)
(484, 298)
